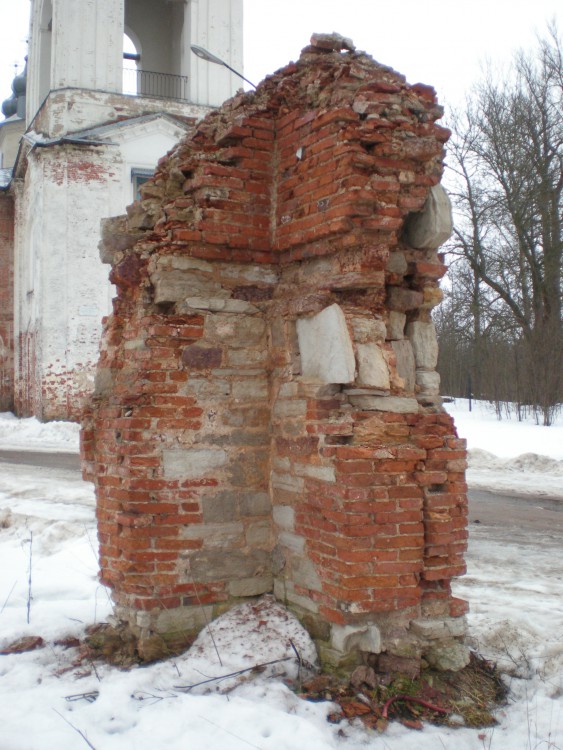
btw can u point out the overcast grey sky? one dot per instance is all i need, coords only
(440, 42)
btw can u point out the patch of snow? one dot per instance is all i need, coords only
(30, 434)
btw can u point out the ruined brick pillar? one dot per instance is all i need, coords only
(267, 414)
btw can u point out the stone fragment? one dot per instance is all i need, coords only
(321, 473)
(325, 347)
(409, 666)
(372, 367)
(448, 656)
(346, 638)
(304, 573)
(366, 329)
(222, 507)
(401, 299)
(424, 343)
(116, 238)
(396, 325)
(397, 263)
(405, 362)
(363, 676)
(431, 227)
(284, 517)
(386, 403)
(215, 565)
(255, 586)
(216, 304)
(447, 627)
(191, 463)
(428, 382)
(254, 503)
(332, 41)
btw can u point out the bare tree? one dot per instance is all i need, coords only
(506, 157)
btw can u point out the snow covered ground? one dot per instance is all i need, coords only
(514, 585)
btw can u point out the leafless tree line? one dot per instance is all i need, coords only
(500, 327)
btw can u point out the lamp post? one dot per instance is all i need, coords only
(209, 57)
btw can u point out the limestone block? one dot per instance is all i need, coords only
(254, 503)
(293, 542)
(116, 237)
(178, 619)
(217, 304)
(289, 408)
(322, 473)
(428, 382)
(372, 367)
(386, 403)
(258, 534)
(287, 482)
(220, 508)
(304, 602)
(405, 362)
(192, 463)
(175, 286)
(284, 517)
(217, 565)
(397, 263)
(304, 573)
(254, 586)
(435, 628)
(251, 388)
(346, 638)
(396, 325)
(401, 299)
(216, 535)
(449, 656)
(431, 227)
(325, 347)
(367, 329)
(424, 343)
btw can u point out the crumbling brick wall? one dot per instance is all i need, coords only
(6, 302)
(266, 414)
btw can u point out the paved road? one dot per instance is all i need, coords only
(41, 458)
(487, 508)
(505, 511)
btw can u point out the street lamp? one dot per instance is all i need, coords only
(209, 57)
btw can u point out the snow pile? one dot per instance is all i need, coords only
(30, 434)
(499, 451)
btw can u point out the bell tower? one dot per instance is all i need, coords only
(79, 46)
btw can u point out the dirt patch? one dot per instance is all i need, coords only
(467, 698)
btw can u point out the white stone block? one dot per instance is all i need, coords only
(372, 367)
(424, 343)
(366, 638)
(191, 463)
(432, 226)
(325, 347)
(428, 382)
(405, 362)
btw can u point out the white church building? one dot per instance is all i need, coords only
(110, 87)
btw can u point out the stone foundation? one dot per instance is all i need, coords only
(267, 413)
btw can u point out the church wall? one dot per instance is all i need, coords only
(67, 191)
(69, 110)
(6, 302)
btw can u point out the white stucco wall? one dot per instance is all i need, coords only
(62, 287)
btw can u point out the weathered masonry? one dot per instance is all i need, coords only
(267, 415)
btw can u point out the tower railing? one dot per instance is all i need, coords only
(151, 83)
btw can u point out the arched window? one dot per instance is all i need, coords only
(131, 59)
